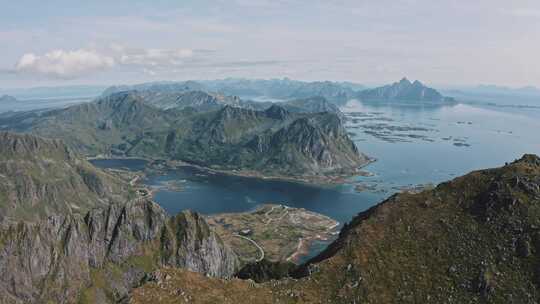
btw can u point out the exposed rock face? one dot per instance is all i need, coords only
(188, 242)
(320, 144)
(54, 259)
(403, 90)
(70, 232)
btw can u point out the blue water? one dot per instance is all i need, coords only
(443, 142)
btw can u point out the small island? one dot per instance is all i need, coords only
(273, 232)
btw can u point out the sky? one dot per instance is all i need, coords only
(66, 42)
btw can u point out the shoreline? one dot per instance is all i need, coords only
(313, 180)
(303, 248)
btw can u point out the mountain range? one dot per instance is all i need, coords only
(214, 134)
(286, 89)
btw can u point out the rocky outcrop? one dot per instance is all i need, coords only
(311, 144)
(188, 242)
(70, 232)
(57, 258)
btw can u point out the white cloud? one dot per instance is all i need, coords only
(64, 64)
(74, 63)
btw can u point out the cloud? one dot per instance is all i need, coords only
(69, 64)
(64, 64)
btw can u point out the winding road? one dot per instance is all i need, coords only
(254, 243)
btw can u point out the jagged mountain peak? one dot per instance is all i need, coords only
(403, 90)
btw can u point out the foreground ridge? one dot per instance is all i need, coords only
(473, 239)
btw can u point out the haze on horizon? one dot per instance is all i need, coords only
(60, 42)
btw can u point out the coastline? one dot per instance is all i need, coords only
(314, 180)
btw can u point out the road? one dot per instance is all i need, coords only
(261, 250)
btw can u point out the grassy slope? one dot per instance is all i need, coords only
(39, 177)
(473, 240)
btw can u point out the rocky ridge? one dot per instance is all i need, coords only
(274, 142)
(92, 247)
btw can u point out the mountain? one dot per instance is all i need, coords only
(160, 87)
(42, 177)
(284, 88)
(71, 233)
(311, 105)
(272, 142)
(196, 99)
(96, 127)
(7, 99)
(404, 90)
(474, 239)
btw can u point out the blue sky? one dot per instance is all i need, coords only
(459, 42)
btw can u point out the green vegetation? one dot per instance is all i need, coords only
(41, 177)
(273, 142)
(475, 239)
(283, 233)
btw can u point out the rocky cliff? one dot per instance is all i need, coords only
(72, 233)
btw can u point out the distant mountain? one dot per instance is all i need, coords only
(284, 88)
(474, 239)
(196, 99)
(404, 90)
(72, 233)
(274, 142)
(311, 105)
(157, 87)
(7, 99)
